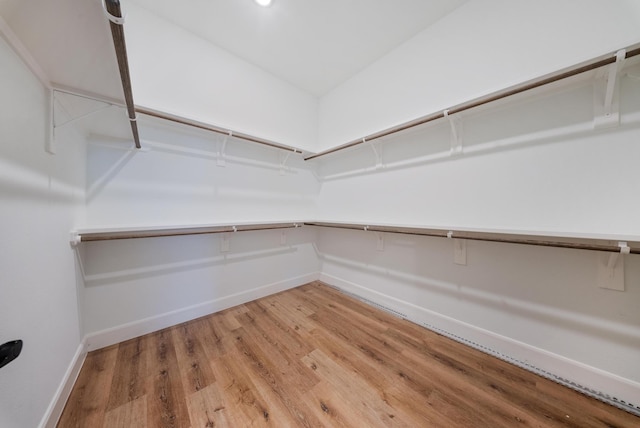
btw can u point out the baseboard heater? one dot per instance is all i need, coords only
(598, 395)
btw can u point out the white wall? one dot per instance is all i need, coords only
(530, 164)
(534, 164)
(40, 199)
(137, 286)
(140, 285)
(222, 89)
(176, 180)
(583, 183)
(481, 47)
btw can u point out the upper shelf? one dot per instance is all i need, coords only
(106, 234)
(595, 63)
(615, 58)
(216, 129)
(610, 243)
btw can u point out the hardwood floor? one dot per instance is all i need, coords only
(313, 357)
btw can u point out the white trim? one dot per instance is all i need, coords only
(56, 406)
(556, 367)
(133, 329)
(82, 93)
(21, 50)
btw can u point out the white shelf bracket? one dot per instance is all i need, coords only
(611, 269)
(607, 94)
(224, 243)
(284, 163)
(460, 251)
(456, 133)
(74, 239)
(115, 19)
(82, 116)
(377, 152)
(50, 145)
(53, 101)
(612, 80)
(221, 153)
(379, 241)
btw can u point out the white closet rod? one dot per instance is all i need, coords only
(207, 127)
(626, 245)
(621, 245)
(131, 233)
(517, 89)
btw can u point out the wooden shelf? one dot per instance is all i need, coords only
(106, 234)
(610, 243)
(594, 242)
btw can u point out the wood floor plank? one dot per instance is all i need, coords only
(409, 405)
(329, 408)
(474, 379)
(165, 401)
(265, 369)
(243, 400)
(130, 414)
(216, 335)
(290, 314)
(285, 340)
(88, 400)
(456, 375)
(193, 362)
(363, 401)
(372, 349)
(313, 356)
(285, 367)
(207, 408)
(572, 407)
(130, 372)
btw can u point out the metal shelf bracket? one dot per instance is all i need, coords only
(456, 133)
(377, 152)
(611, 269)
(284, 163)
(607, 94)
(221, 160)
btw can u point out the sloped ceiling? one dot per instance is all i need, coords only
(314, 44)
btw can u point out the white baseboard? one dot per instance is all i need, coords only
(592, 381)
(54, 411)
(141, 327)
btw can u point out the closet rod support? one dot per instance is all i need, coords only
(612, 80)
(113, 9)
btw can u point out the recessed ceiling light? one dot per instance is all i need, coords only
(264, 3)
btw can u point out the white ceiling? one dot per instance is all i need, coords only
(313, 44)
